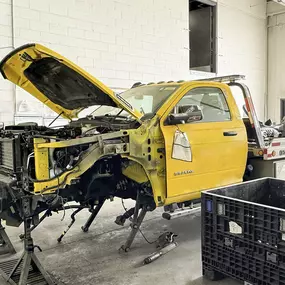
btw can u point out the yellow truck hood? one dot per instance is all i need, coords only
(57, 82)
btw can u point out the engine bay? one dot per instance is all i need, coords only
(102, 180)
(18, 140)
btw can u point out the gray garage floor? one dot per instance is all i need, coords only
(93, 257)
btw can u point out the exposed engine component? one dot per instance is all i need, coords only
(103, 180)
(17, 145)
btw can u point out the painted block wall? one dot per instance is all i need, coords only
(124, 41)
(276, 66)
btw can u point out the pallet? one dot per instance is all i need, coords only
(35, 277)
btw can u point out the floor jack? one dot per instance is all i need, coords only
(165, 244)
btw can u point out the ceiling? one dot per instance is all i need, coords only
(275, 7)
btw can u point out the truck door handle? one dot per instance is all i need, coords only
(230, 134)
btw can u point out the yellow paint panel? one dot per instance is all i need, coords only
(41, 160)
(217, 160)
(136, 173)
(14, 65)
(89, 158)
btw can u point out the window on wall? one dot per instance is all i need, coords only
(202, 31)
(282, 109)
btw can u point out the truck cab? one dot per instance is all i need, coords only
(217, 141)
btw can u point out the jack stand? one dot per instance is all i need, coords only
(46, 214)
(28, 259)
(28, 264)
(6, 245)
(70, 225)
(135, 225)
(92, 217)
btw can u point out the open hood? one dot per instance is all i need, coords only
(57, 82)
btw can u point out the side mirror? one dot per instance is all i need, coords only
(189, 114)
(174, 119)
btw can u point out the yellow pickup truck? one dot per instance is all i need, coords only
(157, 143)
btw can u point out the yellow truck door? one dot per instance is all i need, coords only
(218, 144)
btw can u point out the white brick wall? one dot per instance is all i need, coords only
(123, 41)
(7, 102)
(242, 41)
(276, 66)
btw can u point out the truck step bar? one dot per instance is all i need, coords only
(180, 213)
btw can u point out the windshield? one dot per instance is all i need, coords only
(146, 99)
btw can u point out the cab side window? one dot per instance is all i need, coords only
(210, 100)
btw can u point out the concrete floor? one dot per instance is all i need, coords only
(93, 257)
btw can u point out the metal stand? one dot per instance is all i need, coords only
(135, 225)
(28, 262)
(46, 214)
(92, 217)
(70, 225)
(6, 245)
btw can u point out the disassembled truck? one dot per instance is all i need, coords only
(159, 144)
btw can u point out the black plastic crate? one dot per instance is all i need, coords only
(245, 221)
(241, 267)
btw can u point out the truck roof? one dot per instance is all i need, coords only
(177, 83)
(221, 79)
